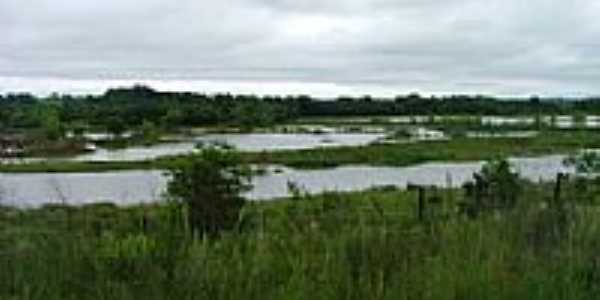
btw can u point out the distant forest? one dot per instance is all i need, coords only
(125, 107)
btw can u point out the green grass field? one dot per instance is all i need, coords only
(366, 245)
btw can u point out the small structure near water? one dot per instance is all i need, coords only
(424, 134)
(11, 146)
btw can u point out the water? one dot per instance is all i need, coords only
(243, 142)
(501, 121)
(131, 187)
(560, 122)
(31, 190)
(592, 121)
(503, 134)
(352, 178)
(272, 142)
(137, 153)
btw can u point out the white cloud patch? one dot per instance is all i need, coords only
(316, 46)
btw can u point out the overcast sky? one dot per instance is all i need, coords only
(319, 47)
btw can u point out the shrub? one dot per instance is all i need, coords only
(496, 186)
(210, 184)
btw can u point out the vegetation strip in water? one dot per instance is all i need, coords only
(459, 149)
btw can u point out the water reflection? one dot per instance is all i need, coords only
(132, 187)
(271, 142)
(242, 142)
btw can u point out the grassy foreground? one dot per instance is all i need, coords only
(458, 149)
(367, 245)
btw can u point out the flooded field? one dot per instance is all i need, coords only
(130, 187)
(241, 142)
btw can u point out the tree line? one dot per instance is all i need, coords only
(125, 107)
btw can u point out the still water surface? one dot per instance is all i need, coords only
(241, 142)
(131, 187)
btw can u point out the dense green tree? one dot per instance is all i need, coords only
(210, 185)
(150, 132)
(51, 124)
(173, 118)
(129, 107)
(504, 183)
(495, 186)
(116, 126)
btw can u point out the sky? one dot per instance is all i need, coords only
(323, 48)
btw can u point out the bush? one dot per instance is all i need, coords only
(496, 186)
(210, 184)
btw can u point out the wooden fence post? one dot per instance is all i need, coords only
(558, 188)
(421, 202)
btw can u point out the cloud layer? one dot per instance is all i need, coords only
(506, 47)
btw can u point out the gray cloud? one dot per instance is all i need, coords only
(377, 46)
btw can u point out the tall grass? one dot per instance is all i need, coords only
(366, 245)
